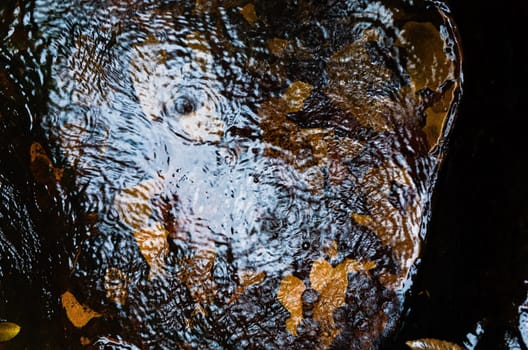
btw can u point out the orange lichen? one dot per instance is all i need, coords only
(247, 278)
(360, 219)
(331, 283)
(79, 315)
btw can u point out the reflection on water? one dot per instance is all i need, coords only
(523, 320)
(236, 174)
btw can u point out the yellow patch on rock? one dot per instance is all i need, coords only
(8, 330)
(247, 278)
(429, 66)
(78, 314)
(361, 219)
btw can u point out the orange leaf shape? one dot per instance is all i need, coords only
(8, 330)
(79, 315)
(331, 283)
(290, 294)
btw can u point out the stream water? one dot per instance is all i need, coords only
(218, 174)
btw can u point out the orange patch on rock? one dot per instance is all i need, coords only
(78, 314)
(331, 284)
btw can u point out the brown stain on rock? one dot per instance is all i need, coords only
(249, 13)
(42, 167)
(354, 85)
(429, 67)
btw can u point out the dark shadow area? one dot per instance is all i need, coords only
(476, 259)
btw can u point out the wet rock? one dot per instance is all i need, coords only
(240, 174)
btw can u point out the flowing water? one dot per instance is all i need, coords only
(218, 174)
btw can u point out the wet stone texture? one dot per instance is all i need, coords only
(236, 174)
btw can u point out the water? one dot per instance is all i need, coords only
(221, 174)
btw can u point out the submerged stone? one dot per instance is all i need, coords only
(242, 174)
